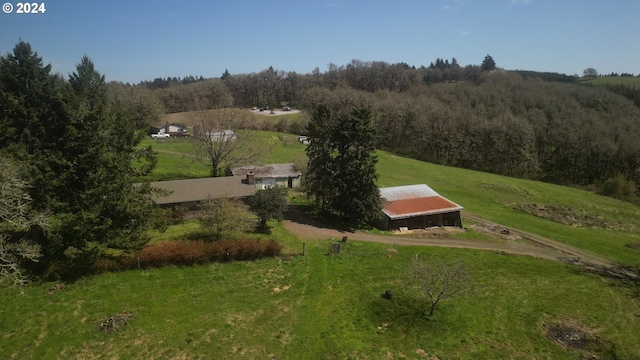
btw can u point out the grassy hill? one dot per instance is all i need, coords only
(615, 80)
(329, 307)
(592, 222)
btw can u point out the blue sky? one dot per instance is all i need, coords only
(131, 41)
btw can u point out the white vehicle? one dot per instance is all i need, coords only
(160, 136)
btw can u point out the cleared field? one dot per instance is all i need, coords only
(615, 80)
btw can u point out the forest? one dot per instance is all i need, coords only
(528, 124)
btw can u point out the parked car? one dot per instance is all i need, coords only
(160, 136)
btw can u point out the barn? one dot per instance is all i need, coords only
(417, 207)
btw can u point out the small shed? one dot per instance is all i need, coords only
(264, 176)
(417, 207)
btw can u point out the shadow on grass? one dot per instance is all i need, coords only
(307, 214)
(264, 229)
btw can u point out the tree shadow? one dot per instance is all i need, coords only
(263, 229)
(309, 215)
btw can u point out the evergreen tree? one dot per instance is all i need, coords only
(79, 150)
(341, 171)
(357, 197)
(225, 75)
(320, 151)
(488, 63)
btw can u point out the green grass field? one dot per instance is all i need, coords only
(614, 80)
(324, 306)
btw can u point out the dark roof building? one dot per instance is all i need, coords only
(189, 192)
(417, 207)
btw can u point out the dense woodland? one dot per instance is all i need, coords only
(544, 126)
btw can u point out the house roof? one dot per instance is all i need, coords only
(401, 202)
(189, 190)
(268, 171)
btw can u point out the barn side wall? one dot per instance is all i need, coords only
(424, 221)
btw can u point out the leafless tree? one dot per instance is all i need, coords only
(434, 280)
(15, 215)
(224, 139)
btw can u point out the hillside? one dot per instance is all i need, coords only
(599, 224)
(614, 80)
(329, 307)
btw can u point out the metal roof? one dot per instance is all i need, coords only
(401, 202)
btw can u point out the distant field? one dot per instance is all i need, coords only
(176, 156)
(614, 80)
(259, 119)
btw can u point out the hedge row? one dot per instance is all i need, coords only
(175, 253)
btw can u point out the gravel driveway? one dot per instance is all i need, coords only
(304, 227)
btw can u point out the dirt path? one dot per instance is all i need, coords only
(305, 227)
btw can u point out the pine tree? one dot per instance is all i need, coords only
(341, 171)
(357, 197)
(79, 150)
(488, 63)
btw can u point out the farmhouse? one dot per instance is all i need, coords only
(244, 183)
(417, 207)
(262, 177)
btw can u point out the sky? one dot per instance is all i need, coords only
(137, 40)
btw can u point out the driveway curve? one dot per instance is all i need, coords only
(303, 226)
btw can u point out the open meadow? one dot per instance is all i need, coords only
(322, 306)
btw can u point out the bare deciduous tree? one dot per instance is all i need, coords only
(434, 280)
(224, 139)
(15, 215)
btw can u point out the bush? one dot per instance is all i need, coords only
(186, 253)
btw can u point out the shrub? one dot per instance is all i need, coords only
(185, 253)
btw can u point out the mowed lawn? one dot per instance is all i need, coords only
(323, 306)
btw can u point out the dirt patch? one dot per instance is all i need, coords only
(634, 246)
(569, 216)
(496, 229)
(114, 322)
(274, 112)
(576, 337)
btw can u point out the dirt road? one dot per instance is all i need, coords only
(305, 227)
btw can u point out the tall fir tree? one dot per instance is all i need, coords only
(341, 174)
(488, 63)
(80, 150)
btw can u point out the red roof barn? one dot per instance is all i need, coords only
(417, 207)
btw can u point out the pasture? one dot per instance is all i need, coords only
(324, 306)
(615, 80)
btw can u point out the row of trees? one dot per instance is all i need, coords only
(522, 123)
(76, 149)
(273, 87)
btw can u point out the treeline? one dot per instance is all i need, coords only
(529, 124)
(161, 83)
